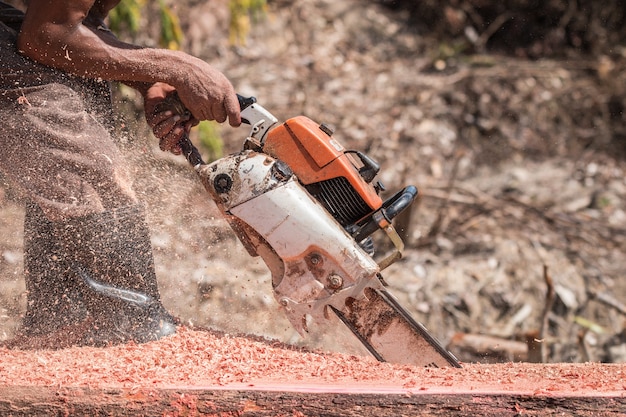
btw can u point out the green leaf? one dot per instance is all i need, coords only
(242, 12)
(588, 324)
(210, 140)
(171, 33)
(126, 15)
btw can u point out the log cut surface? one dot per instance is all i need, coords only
(206, 373)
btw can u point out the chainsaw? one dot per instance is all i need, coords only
(308, 207)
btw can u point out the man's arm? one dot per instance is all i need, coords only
(53, 34)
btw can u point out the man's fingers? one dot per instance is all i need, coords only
(218, 109)
(171, 141)
(233, 110)
(170, 131)
(155, 119)
(219, 113)
(163, 126)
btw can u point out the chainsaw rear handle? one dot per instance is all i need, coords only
(390, 209)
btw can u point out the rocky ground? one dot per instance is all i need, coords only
(520, 231)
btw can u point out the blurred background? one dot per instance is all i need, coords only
(507, 115)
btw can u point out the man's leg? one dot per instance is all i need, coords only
(110, 255)
(66, 162)
(53, 303)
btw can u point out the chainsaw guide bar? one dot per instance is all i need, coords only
(390, 334)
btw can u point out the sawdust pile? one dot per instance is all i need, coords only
(194, 358)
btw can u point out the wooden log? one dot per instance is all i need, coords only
(200, 373)
(288, 400)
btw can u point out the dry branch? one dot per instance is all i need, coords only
(547, 308)
(609, 300)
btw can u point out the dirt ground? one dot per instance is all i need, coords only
(520, 231)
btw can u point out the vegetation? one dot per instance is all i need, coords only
(242, 14)
(126, 19)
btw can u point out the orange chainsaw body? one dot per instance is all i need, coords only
(308, 207)
(314, 156)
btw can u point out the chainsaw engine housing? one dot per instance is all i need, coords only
(341, 182)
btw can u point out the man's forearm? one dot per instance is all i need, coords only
(85, 52)
(65, 34)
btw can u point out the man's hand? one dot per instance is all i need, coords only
(207, 93)
(167, 116)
